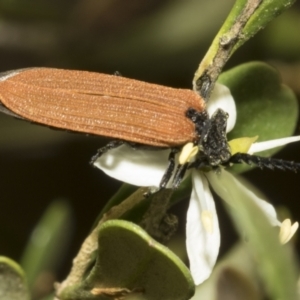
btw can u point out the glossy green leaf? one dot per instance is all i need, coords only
(13, 284)
(48, 240)
(265, 107)
(139, 261)
(129, 261)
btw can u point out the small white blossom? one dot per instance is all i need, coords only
(146, 168)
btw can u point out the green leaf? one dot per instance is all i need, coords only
(47, 243)
(265, 107)
(245, 19)
(129, 261)
(276, 263)
(266, 12)
(12, 281)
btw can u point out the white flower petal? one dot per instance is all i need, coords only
(222, 98)
(224, 183)
(134, 166)
(202, 229)
(262, 146)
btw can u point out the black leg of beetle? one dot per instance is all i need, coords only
(179, 175)
(264, 162)
(109, 146)
(170, 169)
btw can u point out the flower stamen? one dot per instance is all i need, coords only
(241, 145)
(287, 230)
(187, 153)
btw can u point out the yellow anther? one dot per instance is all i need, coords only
(241, 145)
(187, 153)
(287, 230)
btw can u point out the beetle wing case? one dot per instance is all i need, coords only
(100, 104)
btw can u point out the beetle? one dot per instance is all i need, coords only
(125, 109)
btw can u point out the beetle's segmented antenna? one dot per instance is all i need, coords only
(265, 162)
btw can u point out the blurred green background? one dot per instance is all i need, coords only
(159, 41)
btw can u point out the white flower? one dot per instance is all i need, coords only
(146, 168)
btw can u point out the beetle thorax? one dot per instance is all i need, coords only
(212, 140)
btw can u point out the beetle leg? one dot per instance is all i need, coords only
(180, 172)
(170, 169)
(111, 145)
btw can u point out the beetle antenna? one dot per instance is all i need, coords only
(265, 162)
